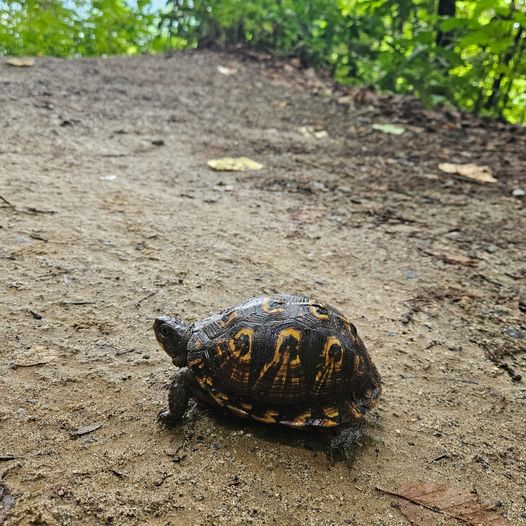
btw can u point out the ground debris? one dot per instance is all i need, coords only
(481, 174)
(38, 355)
(392, 129)
(225, 70)
(7, 501)
(448, 257)
(234, 164)
(84, 430)
(21, 62)
(459, 503)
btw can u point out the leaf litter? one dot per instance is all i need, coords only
(234, 164)
(310, 132)
(224, 70)
(389, 128)
(451, 258)
(40, 355)
(460, 503)
(481, 174)
(84, 430)
(21, 62)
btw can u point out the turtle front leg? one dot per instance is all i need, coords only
(178, 398)
(346, 441)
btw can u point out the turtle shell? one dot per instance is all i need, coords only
(284, 359)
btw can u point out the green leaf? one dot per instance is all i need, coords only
(389, 128)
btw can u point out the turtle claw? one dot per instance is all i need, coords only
(166, 419)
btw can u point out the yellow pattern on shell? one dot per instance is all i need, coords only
(282, 359)
(315, 311)
(300, 420)
(331, 365)
(358, 365)
(268, 417)
(227, 321)
(331, 412)
(268, 309)
(238, 357)
(236, 351)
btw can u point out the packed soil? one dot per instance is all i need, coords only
(110, 216)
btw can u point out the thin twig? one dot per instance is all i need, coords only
(2, 198)
(27, 210)
(80, 302)
(414, 501)
(146, 297)
(125, 351)
(33, 210)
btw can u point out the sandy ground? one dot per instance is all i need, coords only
(110, 217)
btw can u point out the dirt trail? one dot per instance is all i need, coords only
(111, 217)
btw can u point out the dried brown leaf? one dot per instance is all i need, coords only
(481, 174)
(84, 430)
(451, 501)
(448, 257)
(234, 164)
(224, 70)
(417, 515)
(21, 62)
(38, 355)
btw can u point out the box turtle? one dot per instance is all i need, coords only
(276, 359)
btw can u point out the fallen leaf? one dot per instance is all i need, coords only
(37, 355)
(447, 257)
(346, 99)
(226, 71)
(389, 128)
(21, 62)
(451, 501)
(482, 174)
(418, 515)
(310, 132)
(234, 164)
(84, 430)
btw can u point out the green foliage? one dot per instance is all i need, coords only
(79, 27)
(475, 59)
(389, 44)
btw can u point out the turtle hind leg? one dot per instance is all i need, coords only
(178, 398)
(346, 441)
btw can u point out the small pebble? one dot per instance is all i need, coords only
(518, 192)
(514, 332)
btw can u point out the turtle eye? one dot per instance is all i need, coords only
(164, 331)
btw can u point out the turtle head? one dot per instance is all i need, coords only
(173, 335)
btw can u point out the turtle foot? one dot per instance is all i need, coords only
(166, 419)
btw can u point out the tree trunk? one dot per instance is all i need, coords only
(493, 99)
(446, 8)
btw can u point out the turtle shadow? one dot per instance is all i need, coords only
(313, 439)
